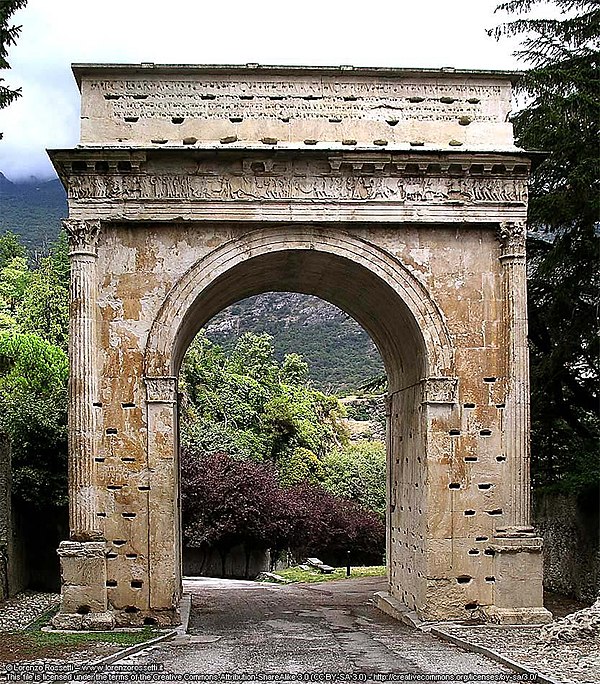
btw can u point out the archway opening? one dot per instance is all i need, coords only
(385, 309)
(282, 452)
(348, 285)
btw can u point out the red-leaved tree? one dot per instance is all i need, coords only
(228, 503)
(328, 526)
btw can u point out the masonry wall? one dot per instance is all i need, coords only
(408, 497)
(569, 526)
(239, 564)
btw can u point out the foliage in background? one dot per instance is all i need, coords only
(249, 405)
(329, 526)
(33, 401)
(34, 370)
(228, 503)
(342, 355)
(562, 118)
(289, 479)
(358, 472)
(10, 248)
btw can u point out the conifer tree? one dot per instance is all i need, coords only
(561, 118)
(8, 37)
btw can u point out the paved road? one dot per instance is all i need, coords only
(244, 628)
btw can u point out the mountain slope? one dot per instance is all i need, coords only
(339, 352)
(33, 210)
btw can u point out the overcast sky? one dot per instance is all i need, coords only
(56, 33)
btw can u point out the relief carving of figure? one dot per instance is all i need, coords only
(225, 186)
(76, 187)
(413, 189)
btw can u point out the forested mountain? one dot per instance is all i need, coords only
(33, 210)
(340, 354)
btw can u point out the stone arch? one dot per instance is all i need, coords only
(273, 258)
(163, 236)
(390, 303)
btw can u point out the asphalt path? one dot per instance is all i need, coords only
(248, 632)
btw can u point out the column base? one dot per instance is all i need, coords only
(518, 595)
(84, 600)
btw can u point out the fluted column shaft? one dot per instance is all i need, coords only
(516, 415)
(83, 378)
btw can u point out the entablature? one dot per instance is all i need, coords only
(168, 184)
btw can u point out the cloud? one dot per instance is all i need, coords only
(398, 33)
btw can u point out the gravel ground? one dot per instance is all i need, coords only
(576, 662)
(23, 647)
(21, 610)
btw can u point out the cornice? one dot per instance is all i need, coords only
(369, 161)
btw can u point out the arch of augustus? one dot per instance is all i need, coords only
(397, 195)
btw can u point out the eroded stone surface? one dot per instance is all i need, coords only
(162, 105)
(583, 624)
(424, 249)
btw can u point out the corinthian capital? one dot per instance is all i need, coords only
(512, 236)
(83, 234)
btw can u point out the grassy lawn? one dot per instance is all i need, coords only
(297, 575)
(33, 643)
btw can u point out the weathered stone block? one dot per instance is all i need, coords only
(67, 621)
(518, 591)
(83, 577)
(98, 621)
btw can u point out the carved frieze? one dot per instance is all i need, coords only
(338, 187)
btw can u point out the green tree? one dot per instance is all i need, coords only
(33, 412)
(301, 465)
(294, 370)
(562, 118)
(10, 247)
(34, 370)
(14, 281)
(8, 37)
(245, 403)
(35, 300)
(358, 472)
(44, 308)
